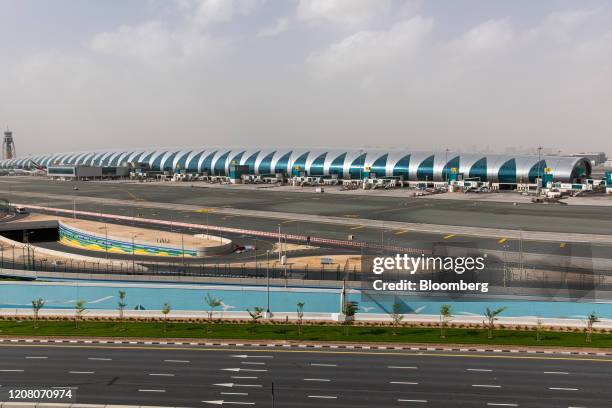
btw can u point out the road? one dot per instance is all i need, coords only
(164, 202)
(581, 219)
(196, 377)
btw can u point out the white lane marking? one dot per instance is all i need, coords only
(562, 389)
(253, 370)
(323, 396)
(486, 385)
(252, 363)
(11, 371)
(556, 372)
(35, 357)
(162, 374)
(407, 400)
(323, 365)
(234, 393)
(99, 359)
(402, 367)
(151, 390)
(81, 372)
(248, 356)
(177, 361)
(223, 402)
(484, 370)
(317, 379)
(236, 377)
(238, 385)
(403, 382)
(499, 404)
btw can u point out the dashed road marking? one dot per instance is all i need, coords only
(403, 367)
(486, 370)
(562, 389)
(317, 379)
(411, 400)
(323, 396)
(486, 385)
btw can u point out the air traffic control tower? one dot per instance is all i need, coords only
(8, 145)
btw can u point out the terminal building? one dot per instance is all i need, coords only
(505, 171)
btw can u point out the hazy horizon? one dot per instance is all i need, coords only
(467, 76)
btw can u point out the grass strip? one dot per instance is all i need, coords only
(356, 334)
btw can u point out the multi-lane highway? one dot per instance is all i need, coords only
(197, 376)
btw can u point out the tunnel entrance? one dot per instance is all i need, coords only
(30, 232)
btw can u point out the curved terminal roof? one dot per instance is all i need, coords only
(411, 165)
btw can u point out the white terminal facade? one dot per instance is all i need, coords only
(337, 163)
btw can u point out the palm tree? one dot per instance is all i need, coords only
(445, 315)
(491, 316)
(37, 304)
(592, 318)
(539, 330)
(349, 316)
(79, 308)
(396, 316)
(256, 314)
(121, 305)
(165, 311)
(212, 303)
(300, 316)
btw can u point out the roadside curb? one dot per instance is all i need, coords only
(305, 345)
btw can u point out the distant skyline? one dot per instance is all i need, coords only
(421, 75)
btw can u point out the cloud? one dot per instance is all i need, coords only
(346, 12)
(206, 12)
(370, 50)
(278, 27)
(490, 36)
(155, 40)
(402, 81)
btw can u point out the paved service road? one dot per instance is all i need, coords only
(196, 377)
(504, 215)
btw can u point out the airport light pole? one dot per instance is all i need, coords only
(183, 249)
(268, 279)
(106, 240)
(280, 245)
(445, 165)
(133, 256)
(540, 168)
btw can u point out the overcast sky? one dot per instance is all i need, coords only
(84, 74)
